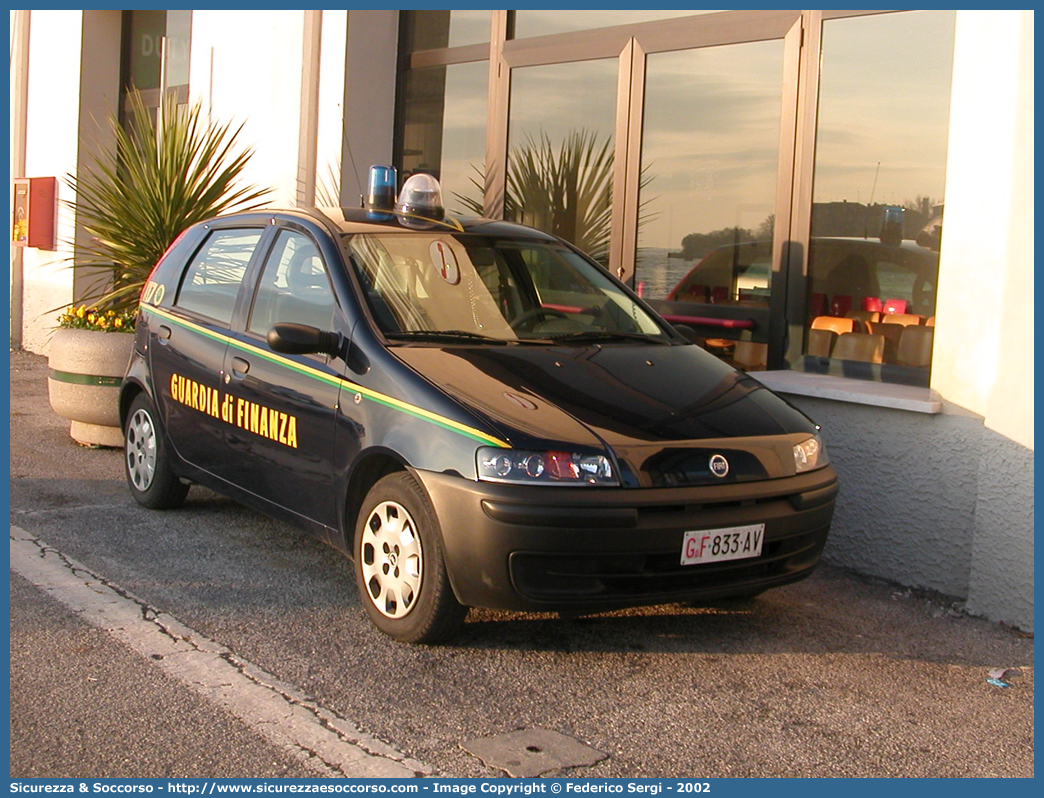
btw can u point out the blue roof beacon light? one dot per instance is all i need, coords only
(380, 193)
(421, 195)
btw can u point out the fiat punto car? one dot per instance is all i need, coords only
(475, 412)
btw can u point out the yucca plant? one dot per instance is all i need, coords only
(565, 190)
(135, 201)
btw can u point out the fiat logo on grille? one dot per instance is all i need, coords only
(719, 466)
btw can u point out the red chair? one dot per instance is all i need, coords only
(872, 304)
(719, 294)
(840, 305)
(895, 306)
(817, 305)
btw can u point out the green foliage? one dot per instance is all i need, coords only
(697, 245)
(135, 201)
(565, 190)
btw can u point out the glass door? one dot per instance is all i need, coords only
(707, 190)
(660, 149)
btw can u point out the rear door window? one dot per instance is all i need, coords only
(212, 280)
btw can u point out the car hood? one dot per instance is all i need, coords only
(643, 402)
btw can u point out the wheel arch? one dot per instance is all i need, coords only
(371, 467)
(128, 393)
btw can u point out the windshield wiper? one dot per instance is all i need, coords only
(606, 335)
(444, 335)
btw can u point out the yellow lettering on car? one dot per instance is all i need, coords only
(266, 422)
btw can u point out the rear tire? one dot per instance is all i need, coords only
(152, 481)
(400, 568)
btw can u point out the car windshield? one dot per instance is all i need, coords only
(481, 289)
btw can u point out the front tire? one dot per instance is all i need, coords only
(150, 478)
(399, 564)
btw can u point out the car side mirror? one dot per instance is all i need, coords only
(302, 339)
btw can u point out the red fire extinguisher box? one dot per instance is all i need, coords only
(35, 212)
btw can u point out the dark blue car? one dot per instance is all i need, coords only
(474, 411)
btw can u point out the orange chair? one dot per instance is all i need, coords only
(864, 347)
(750, 356)
(863, 316)
(930, 321)
(821, 342)
(915, 346)
(891, 333)
(894, 306)
(906, 319)
(834, 323)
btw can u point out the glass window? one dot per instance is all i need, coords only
(144, 34)
(544, 22)
(560, 162)
(435, 30)
(445, 130)
(294, 287)
(211, 281)
(878, 191)
(709, 168)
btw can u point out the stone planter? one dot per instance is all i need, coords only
(84, 382)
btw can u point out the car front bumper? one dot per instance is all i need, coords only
(587, 549)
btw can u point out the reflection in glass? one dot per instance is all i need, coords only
(143, 39)
(709, 153)
(445, 128)
(560, 163)
(879, 181)
(531, 22)
(433, 30)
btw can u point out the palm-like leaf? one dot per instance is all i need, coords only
(566, 191)
(134, 202)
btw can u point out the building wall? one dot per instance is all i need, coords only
(253, 78)
(52, 112)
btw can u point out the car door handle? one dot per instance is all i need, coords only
(240, 367)
(163, 334)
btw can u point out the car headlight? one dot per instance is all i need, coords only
(544, 468)
(810, 454)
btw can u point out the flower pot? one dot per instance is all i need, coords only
(86, 368)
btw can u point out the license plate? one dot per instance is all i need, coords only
(717, 545)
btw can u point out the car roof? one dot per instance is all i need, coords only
(351, 221)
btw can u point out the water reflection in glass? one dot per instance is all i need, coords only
(710, 151)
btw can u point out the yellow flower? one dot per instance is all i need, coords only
(117, 323)
(81, 311)
(90, 318)
(103, 322)
(110, 313)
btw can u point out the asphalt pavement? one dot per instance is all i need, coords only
(839, 675)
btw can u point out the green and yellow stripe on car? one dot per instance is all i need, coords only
(316, 374)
